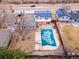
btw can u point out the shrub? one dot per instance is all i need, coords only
(6, 53)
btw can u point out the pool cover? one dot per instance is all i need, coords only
(47, 37)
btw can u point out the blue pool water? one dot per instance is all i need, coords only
(47, 37)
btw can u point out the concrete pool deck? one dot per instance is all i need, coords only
(38, 42)
(47, 50)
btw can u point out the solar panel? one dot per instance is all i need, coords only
(43, 13)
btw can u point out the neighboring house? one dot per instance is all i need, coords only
(41, 16)
(75, 17)
(63, 15)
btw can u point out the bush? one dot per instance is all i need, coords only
(3, 26)
(6, 53)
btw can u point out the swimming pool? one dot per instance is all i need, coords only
(47, 37)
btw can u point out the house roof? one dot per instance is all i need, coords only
(62, 12)
(43, 14)
(75, 16)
